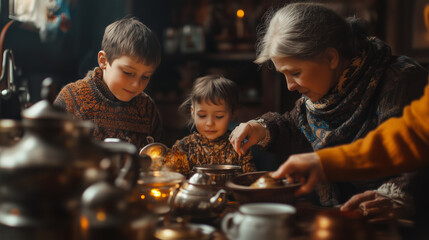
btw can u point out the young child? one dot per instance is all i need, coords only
(112, 94)
(211, 105)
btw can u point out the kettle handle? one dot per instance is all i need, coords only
(230, 224)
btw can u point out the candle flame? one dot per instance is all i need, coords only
(155, 192)
(142, 196)
(240, 13)
(84, 223)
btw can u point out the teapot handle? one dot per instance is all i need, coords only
(218, 200)
(129, 172)
(231, 223)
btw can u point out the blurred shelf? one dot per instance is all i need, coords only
(220, 56)
(243, 101)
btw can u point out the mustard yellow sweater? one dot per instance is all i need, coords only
(398, 145)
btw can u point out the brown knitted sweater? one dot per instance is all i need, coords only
(91, 99)
(195, 149)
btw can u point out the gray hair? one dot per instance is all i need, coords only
(304, 30)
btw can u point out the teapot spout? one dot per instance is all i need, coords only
(218, 201)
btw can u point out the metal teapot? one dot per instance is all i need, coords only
(38, 170)
(43, 175)
(198, 199)
(106, 210)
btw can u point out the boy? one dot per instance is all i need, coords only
(112, 94)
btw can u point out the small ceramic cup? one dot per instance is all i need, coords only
(256, 221)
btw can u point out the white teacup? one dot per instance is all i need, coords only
(255, 221)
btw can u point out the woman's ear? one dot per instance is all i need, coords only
(333, 57)
(102, 60)
(192, 111)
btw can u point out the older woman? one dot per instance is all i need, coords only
(350, 83)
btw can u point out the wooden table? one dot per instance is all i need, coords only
(303, 223)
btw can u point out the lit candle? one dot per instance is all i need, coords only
(239, 23)
(156, 193)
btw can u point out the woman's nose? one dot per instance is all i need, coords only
(291, 84)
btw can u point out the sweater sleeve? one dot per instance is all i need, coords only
(285, 136)
(177, 159)
(60, 99)
(247, 164)
(65, 100)
(397, 145)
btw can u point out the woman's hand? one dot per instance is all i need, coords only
(375, 206)
(250, 131)
(305, 168)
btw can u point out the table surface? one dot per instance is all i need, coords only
(304, 219)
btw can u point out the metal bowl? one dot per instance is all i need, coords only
(243, 193)
(154, 150)
(220, 174)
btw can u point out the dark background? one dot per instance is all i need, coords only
(74, 52)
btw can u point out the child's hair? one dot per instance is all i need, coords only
(213, 89)
(129, 36)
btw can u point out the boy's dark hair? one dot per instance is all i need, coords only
(129, 36)
(213, 89)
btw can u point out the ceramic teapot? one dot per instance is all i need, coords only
(197, 198)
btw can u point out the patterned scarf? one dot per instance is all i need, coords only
(339, 116)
